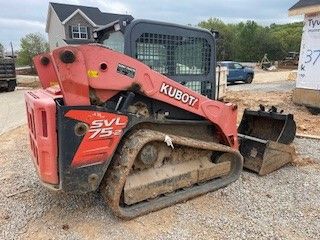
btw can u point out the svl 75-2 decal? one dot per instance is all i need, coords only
(102, 137)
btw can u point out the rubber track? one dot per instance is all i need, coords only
(113, 183)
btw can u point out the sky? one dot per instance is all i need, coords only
(20, 17)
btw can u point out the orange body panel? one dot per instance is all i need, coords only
(41, 113)
(86, 71)
(102, 137)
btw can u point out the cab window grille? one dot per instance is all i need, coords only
(203, 87)
(174, 55)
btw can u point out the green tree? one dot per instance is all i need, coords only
(226, 37)
(288, 36)
(249, 41)
(31, 45)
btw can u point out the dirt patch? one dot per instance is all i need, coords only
(28, 81)
(300, 161)
(267, 76)
(306, 122)
(9, 138)
(33, 85)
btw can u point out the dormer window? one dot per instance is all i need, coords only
(79, 32)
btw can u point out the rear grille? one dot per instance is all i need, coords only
(33, 135)
(41, 114)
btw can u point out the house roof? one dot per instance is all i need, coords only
(305, 3)
(93, 13)
(78, 41)
(305, 7)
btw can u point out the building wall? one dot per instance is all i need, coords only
(307, 90)
(56, 32)
(309, 61)
(75, 20)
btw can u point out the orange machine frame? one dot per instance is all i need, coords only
(78, 69)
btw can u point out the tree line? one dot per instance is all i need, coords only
(249, 41)
(244, 41)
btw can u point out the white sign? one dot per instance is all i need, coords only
(309, 63)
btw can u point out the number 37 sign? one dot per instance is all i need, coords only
(309, 63)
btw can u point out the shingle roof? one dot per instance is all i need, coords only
(99, 18)
(78, 41)
(305, 3)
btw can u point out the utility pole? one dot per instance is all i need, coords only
(12, 53)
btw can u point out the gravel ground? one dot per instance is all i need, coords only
(282, 205)
(308, 148)
(267, 82)
(281, 86)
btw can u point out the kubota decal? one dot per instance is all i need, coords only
(179, 95)
(102, 137)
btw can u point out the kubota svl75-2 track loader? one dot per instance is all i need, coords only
(105, 119)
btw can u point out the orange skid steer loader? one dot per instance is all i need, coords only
(143, 125)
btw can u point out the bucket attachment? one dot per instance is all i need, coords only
(264, 139)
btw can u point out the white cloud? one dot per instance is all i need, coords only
(76, 2)
(111, 6)
(114, 7)
(13, 29)
(18, 23)
(30, 16)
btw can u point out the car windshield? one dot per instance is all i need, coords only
(238, 66)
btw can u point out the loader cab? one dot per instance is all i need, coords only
(183, 53)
